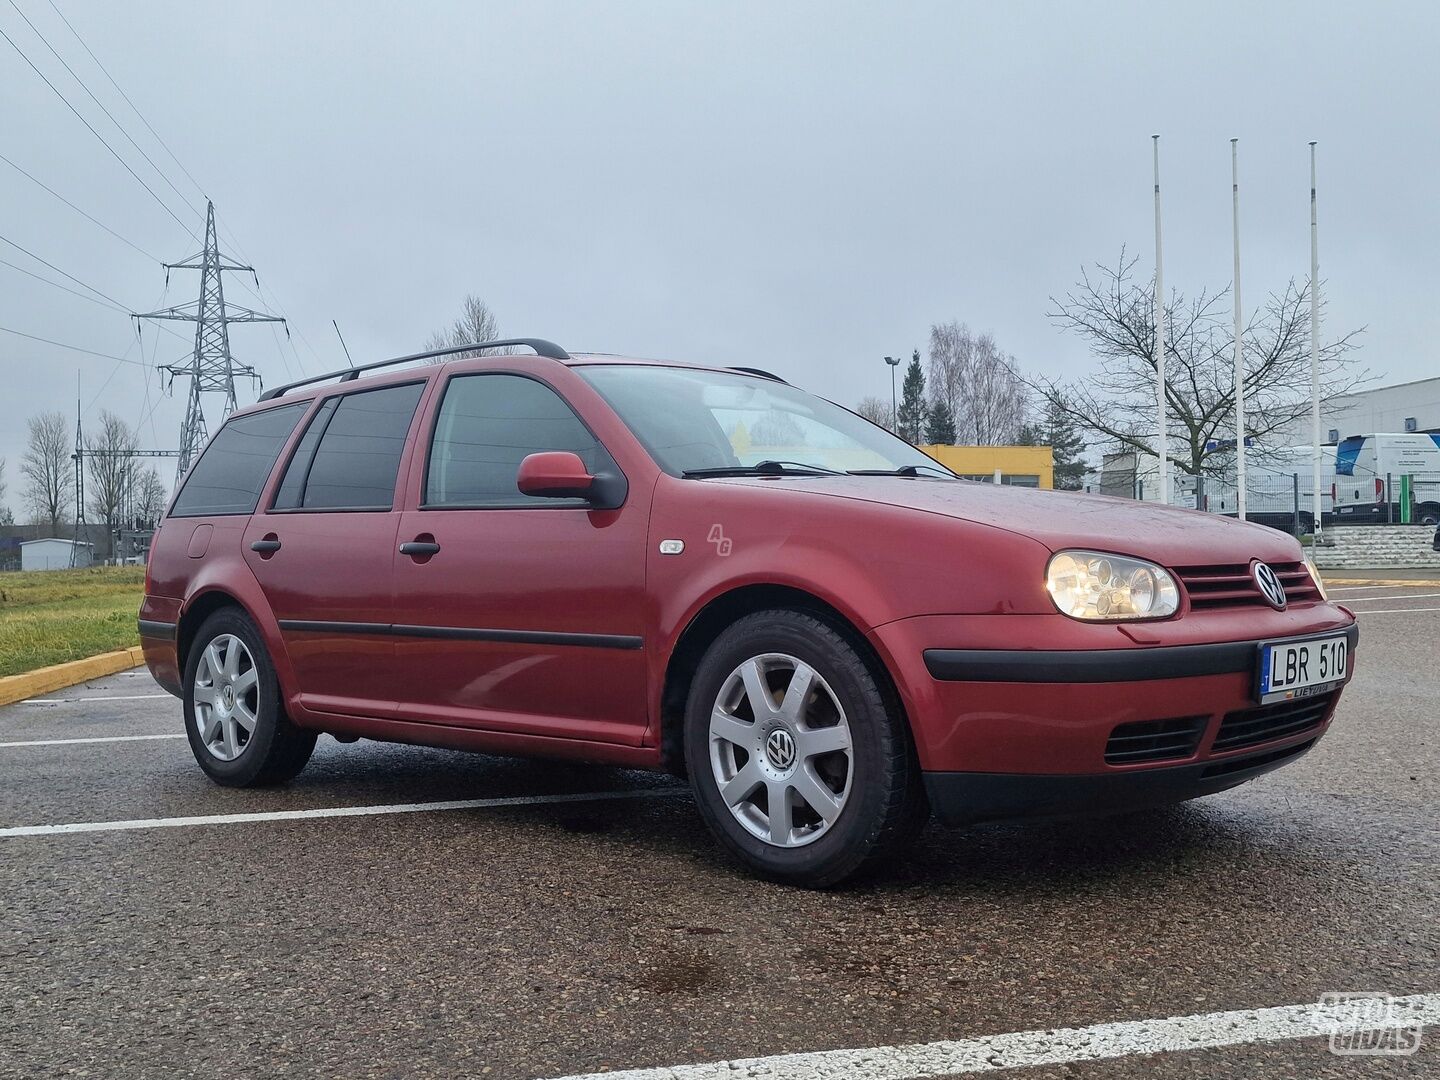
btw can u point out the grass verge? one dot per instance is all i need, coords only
(51, 616)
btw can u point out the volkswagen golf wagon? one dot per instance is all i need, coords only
(709, 571)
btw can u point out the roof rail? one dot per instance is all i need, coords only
(541, 347)
(762, 373)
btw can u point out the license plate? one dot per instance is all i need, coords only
(1298, 669)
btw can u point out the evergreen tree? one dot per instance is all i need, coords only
(940, 424)
(911, 422)
(1056, 430)
(1068, 447)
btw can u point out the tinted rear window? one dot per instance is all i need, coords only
(355, 465)
(230, 473)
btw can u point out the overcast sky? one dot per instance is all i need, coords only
(805, 187)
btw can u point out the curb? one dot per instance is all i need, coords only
(44, 680)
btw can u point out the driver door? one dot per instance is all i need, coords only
(518, 614)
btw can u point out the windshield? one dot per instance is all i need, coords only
(693, 420)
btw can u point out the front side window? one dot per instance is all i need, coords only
(487, 424)
(230, 473)
(694, 420)
(349, 456)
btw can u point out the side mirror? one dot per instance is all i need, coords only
(559, 474)
(555, 474)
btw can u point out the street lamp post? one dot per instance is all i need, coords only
(894, 363)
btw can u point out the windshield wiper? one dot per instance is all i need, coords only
(905, 470)
(765, 468)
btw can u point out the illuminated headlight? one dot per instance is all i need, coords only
(1315, 577)
(1090, 585)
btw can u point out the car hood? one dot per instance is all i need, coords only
(1063, 519)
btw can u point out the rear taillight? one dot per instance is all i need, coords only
(1379, 489)
(1334, 493)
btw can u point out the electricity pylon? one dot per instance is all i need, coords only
(211, 368)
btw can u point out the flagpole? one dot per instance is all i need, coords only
(1162, 439)
(1239, 338)
(1314, 348)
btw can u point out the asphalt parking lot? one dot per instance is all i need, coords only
(536, 937)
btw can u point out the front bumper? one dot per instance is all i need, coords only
(1010, 730)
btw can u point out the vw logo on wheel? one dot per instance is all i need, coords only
(780, 749)
(1268, 584)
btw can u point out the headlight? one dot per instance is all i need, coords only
(1315, 577)
(1091, 585)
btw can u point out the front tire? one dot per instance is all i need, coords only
(234, 716)
(800, 760)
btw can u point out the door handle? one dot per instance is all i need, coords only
(419, 548)
(266, 546)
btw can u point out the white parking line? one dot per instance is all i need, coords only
(1022, 1049)
(331, 812)
(1363, 588)
(82, 700)
(1392, 596)
(97, 739)
(1394, 610)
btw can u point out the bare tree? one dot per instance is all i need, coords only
(149, 498)
(109, 453)
(48, 470)
(979, 384)
(1114, 314)
(876, 411)
(952, 350)
(476, 323)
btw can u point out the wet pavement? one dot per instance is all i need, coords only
(541, 939)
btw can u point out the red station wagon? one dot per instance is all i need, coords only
(709, 571)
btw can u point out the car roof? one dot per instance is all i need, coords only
(350, 380)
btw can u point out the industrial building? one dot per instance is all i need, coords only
(53, 553)
(1410, 406)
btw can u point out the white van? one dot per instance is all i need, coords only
(1367, 466)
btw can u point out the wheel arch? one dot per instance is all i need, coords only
(710, 622)
(196, 611)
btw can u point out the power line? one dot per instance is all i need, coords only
(77, 209)
(52, 266)
(62, 288)
(260, 290)
(115, 303)
(163, 204)
(126, 96)
(260, 294)
(72, 348)
(44, 41)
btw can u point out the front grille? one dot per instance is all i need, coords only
(1233, 585)
(1154, 740)
(1249, 727)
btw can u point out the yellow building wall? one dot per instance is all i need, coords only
(1010, 460)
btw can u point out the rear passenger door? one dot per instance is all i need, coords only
(519, 614)
(323, 550)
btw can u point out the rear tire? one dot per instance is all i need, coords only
(800, 759)
(234, 716)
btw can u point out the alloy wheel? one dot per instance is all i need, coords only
(227, 697)
(780, 750)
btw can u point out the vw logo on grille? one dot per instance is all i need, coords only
(780, 749)
(1269, 585)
